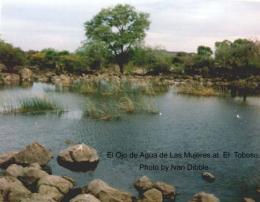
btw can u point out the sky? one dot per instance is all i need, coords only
(176, 25)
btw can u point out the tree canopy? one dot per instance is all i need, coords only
(120, 28)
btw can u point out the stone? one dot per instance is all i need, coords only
(54, 186)
(168, 191)
(28, 175)
(152, 195)
(39, 198)
(62, 80)
(204, 197)
(26, 75)
(10, 79)
(209, 177)
(79, 157)
(85, 198)
(143, 184)
(12, 190)
(7, 159)
(33, 153)
(248, 199)
(106, 193)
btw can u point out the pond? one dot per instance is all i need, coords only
(184, 124)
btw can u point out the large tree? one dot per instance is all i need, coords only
(120, 28)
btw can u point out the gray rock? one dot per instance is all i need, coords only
(168, 191)
(143, 184)
(7, 159)
(10, 79)
(85, 198)
(61, 80)
(28, 175)
(33, 153)
(209, 177)
(152, 195)
(12, 190)
(106, 193)
(79, 157)
(204, 197)
(26, 75)
(248, 199)
(54, 186)
(39, 198)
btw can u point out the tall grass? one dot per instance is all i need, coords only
(38, 104)
(113, 85)
(197, 89)
(110, 96)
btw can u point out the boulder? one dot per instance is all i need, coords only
(106, 193)
(207, 176)
(39, 198)
(248, 199)
(28, 175)
(7, 159)
(10, 79)
(54, 186)
(143, 184)
(79, 157)
(204, 197)
(2, 67)
(152, 195)
(26, 75)
(168, 191)
(62, 80)
(33, 153)
(12, 190)
(85, 198)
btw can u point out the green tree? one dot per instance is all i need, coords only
(156, 61)
(238, 58)
(121, 28)
(11, 56)
(94, 54)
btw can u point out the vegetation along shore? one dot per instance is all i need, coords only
(117, 52)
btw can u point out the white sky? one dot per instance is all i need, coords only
(177, 25)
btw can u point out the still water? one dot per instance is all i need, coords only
(185, 124)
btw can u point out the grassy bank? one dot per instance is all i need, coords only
(197, 89)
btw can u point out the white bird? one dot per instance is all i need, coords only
(238, 116)
(160, 113)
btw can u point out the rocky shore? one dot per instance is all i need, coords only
(27, 75)
(27, 178)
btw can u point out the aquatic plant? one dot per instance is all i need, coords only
(198, 90)
(126, 104)
(113, 85)
(38, 104)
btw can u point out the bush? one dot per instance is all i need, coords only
(11, 56)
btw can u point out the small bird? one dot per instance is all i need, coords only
(238, 116)
(160, 113)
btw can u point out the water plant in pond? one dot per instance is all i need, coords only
(113, 108)
(113, 85)
(126, 104)
(198, 90)
(38, 104)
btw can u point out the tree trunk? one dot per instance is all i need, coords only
(121, 67)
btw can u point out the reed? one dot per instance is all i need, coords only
(38, 104)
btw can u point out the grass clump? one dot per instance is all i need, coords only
(126, 104)
(113, 108)
(38, 104)
(113, 85)
(196, 89)
(111, 96)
